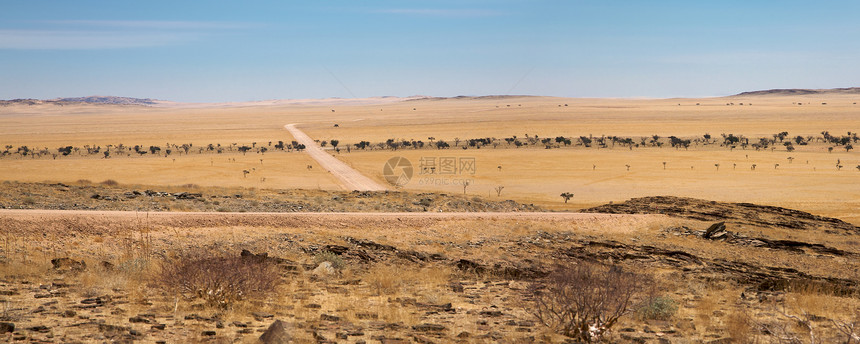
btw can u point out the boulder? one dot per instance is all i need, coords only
(7, 327)
(277, 333)
(716, 231)
(324, 269)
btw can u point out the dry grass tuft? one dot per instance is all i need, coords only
(219, 281)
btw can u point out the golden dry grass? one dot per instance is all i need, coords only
(528, 175)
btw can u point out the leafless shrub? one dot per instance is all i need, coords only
(584, 300)
(219, 281)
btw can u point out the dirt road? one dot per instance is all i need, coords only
(349, 178)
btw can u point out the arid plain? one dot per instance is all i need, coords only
(809, 181)
(755, 241)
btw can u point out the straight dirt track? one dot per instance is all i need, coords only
(349, 177)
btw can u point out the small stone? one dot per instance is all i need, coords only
(209, 333)
(327, 317)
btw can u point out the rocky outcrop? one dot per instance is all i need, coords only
(738, 213)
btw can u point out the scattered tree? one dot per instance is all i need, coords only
(499, 188)
(567, 196)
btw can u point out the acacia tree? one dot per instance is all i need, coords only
(567, 196)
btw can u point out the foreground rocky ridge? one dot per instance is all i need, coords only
(400, 279)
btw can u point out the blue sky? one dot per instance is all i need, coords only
(209, 51)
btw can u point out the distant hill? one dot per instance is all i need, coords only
(801, 91)
(108, 100)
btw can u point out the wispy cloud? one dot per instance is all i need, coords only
(108, 34)
(435, 12)
(151, 24)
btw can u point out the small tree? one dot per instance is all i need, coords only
(567, 196)
(499, 188)
(465, 185)
(664, 165)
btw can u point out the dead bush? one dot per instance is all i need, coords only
(219, 281)
(584, 300)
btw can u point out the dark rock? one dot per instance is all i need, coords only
(209, 333)
(259, 316)
(429, 328)
(107, 266)
(7, 327)
(276, 334)
(715, 231)
(101, 300)
(158, 327)
(491, 313)
(336, 249)
(470, 266)
(69, 313)
(141, 319)
(40, 329)
(327, 317)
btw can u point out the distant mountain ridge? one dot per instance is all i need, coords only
(108, 100)
(801, 91)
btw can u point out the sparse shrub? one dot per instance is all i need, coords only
(584, 300)
(109, 182)
(385, 279)
(658, 308)
(28, 201)
(326, 256)
(219, 281)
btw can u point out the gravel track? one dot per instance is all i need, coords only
(349, 178)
